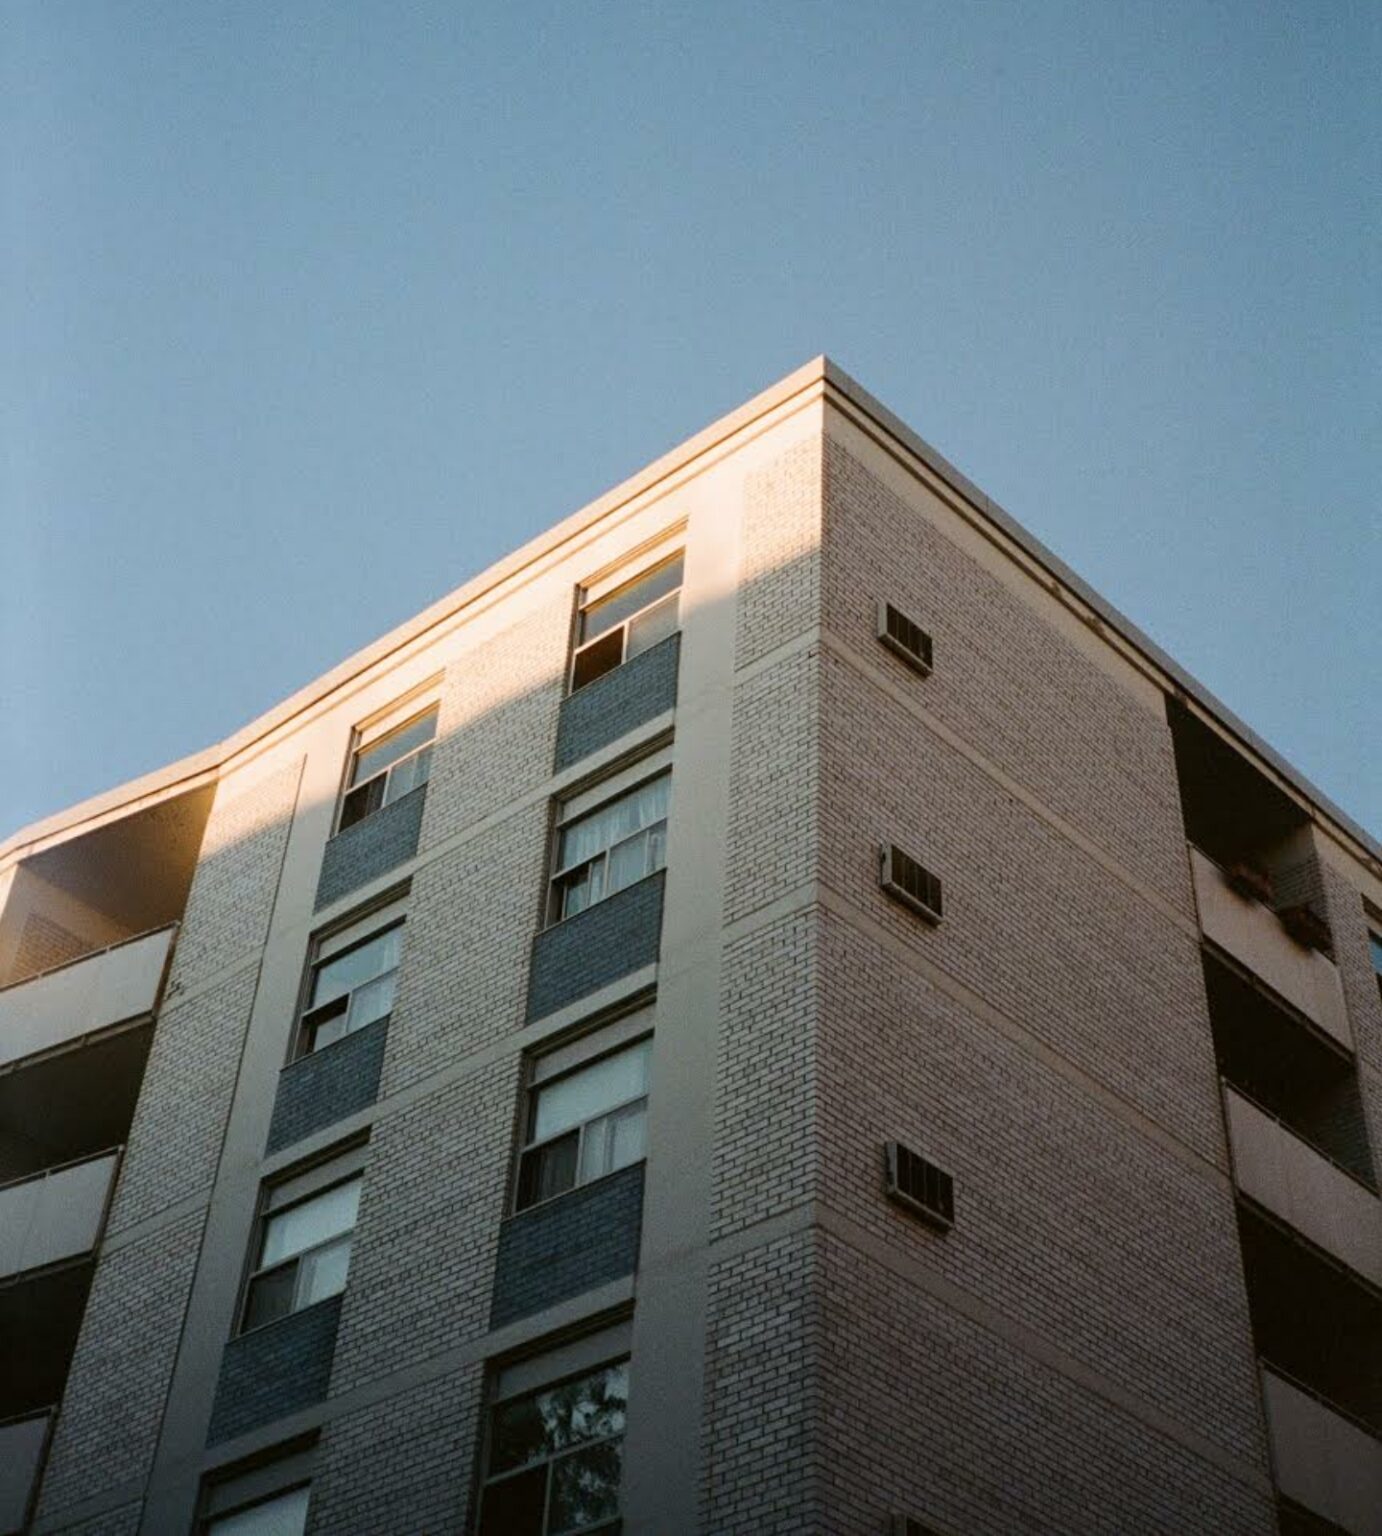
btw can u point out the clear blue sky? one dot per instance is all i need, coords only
(310, 311)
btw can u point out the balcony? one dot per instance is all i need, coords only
(1252, 934)
(84, 997)
(1321, 1459)
(23, 1443)
(55, 1215)
(1287, 1177)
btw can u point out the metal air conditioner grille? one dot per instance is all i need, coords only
(910, 883)
(919, 1185)
(905, 637)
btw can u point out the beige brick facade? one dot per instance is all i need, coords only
(1080, 1353)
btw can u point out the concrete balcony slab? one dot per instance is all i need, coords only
(89, 995)
(1287, 1177)
(55, 1215)
(1253, 935)
(1323, 1460)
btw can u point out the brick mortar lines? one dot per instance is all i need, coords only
(818, 893)
(817, 635)
(812, 1214)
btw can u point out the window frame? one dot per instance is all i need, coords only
(578, 807)
(351, 933)
(597, 591)
(562, 1062)
(211, 1522)
(397, 719)
(237, 1490)
(531, 1375)
(285, 1194)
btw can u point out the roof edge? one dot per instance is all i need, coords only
(167, 780)
(855, 392)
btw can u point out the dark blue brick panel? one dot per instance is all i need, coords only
(274, 1371)
(328, 1085)
(568, 1246)
(604, 710)
(371, 847)
(596, 947)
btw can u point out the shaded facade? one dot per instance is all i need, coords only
(771, 1010)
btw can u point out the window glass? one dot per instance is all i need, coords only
(283, 1515)
(652, 625)
(614, 1141)
(606, 612)
(1375, 944)
(555, 1458)
(312, 1222)
(613, 847)
(585, 1487)
(389, 749)
(591, 1091)
(558, 1418)
(344, 972)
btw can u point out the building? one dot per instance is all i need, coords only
(772, 1010)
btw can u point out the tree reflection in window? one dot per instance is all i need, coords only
(555, 1457)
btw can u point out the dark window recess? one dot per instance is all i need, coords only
(924, 1189)
(905, 637)
(908, 1525)
(908, 882)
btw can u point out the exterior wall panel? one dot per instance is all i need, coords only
(567, 1246)
(275, 1370)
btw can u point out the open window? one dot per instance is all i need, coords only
(604, 849)
(353, 978)
(303, 1241)
(587, 1112)
(615, 625)
(390, 759)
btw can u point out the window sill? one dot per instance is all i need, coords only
(576, 1189)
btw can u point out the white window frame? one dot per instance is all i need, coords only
(335, 942)
(553, 1066)
(281, 1196)
(398, 718)
(581, 1357)
(576, 807)
(596, 591)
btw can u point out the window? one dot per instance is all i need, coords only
(1375, 947)
(353, 979)
(304, 1250)
(611, 847)
(585, 1123)
(616, 626)
(282, 1514)
(260, 1497)
(554, 1458)
(386, 765)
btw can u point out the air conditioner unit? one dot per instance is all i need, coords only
(905, 637)
(920, 1186)
(910, 883)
